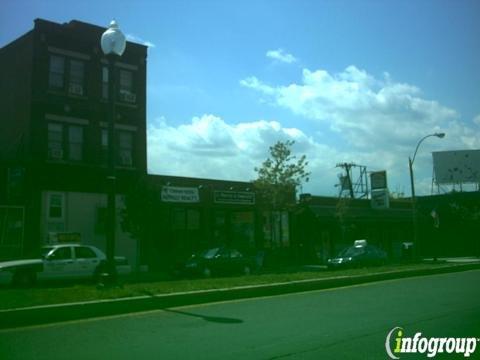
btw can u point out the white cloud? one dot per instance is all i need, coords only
(476, 120)
(377, 121)
(210, 147)
(366, 112)
(352, 117)
(137, 39)
(281, 55)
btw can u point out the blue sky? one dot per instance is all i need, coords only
(354, 81)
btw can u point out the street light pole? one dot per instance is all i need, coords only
(113, 44)
(412, 185)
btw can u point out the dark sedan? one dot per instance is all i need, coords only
(217, 261)
(358, 255)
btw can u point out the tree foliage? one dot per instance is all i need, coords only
(281, 174)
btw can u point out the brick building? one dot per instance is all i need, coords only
(53, 136)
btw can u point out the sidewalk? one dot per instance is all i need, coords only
(89, 309)
(456, 260)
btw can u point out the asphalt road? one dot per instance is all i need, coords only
(344, 323)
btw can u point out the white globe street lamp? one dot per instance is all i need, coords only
(113, 45)
(113, 41)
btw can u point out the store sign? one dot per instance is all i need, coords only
(234, 197)
(64, 237)
(72, 237)
(378, 180)
(380, 199)
(180, 194)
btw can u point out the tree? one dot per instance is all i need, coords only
(280, 175)
(278, 178)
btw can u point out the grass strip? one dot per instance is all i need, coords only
(11, 298)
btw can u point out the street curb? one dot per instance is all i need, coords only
(73, 311)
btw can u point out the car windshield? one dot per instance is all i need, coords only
(45, 250)
(210, 253)
(352, 251)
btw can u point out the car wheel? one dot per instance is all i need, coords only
(24, 278)
(207, 272)
(247, 270)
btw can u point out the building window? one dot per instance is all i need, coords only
(75, 143)
(57, 70)
(76, 78)
(65, 142)
(126, 89)
(67, 75)
(125, 148)
(56, 204)
(55, 141)
(104, 82)
(125, 83)
(104, 146)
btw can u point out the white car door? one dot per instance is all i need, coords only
(59, 264)
(87, 261)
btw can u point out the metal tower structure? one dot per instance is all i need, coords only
(353, 182)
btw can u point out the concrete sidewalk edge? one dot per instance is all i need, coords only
(74, 311)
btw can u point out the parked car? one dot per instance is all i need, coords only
(217, 261)
(60, 262)
(360, 254)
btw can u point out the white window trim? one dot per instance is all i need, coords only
(104, 124)
(69, 53)
(63, 196)
(66, 119)
(121, 65)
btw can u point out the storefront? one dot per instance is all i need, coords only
(196, 214)
(324, 226)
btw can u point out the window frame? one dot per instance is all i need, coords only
(126, 92)
(122, 150)
(76, 81)
(60, 218)
(65, 142)
(73, 84)
(71, 143)
(51, 141)
(52, 72)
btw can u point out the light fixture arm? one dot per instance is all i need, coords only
(439, 135)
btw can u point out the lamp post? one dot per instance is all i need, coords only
(113, 44)
(412, 184)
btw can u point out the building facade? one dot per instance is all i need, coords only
(449, 224)
(53, 136)
(174, 217)
(325, 225)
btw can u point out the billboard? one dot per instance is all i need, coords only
(458, 166)
(378, 180)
